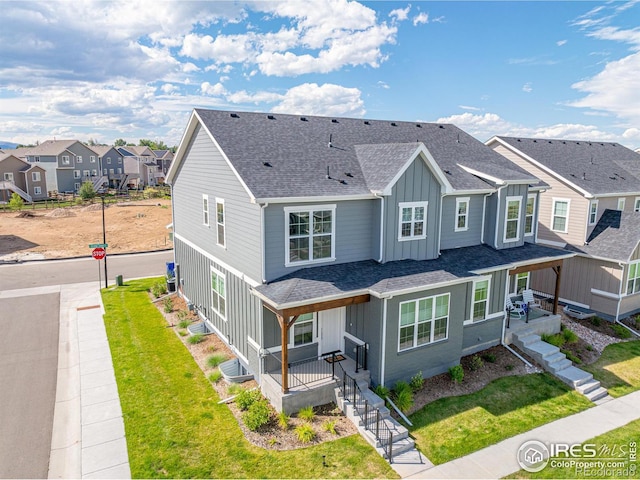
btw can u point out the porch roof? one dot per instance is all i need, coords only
(317, 284)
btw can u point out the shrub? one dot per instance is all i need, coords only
(457, 373)
(182, 315)
(158, 289)
(401, 386)
(509, 367)
(257, 415)
(416, 382)
(572, 357)
(283, 420)
(620, 331)
(381, 391)
(489, 357)
(307, 413)
(16, 202)
(215, 376)
(183, 323)
(246, 398)
(403, 399)
(597, 321)
(330, 426)
(305, 432)
(214, 360)
(196, 338)
(557, 339)
(168, 305)
(590, 347)
(476, 363)
(569, 336)
(87, 191)
(235, 388)
(182, 333)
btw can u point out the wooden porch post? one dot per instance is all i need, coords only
(285, 325)
(558, 272)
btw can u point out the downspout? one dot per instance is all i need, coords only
(384, 340)
(262, 245)
(484, 210)
(381, 257)
(440, 223)
(504, 326)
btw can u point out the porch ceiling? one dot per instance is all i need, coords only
(318, 306)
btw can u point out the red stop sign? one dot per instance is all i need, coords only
(98, 253)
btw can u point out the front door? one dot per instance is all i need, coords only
(331, 324)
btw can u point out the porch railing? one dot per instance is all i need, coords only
(360, 353)
(371, 417)
(303, 372)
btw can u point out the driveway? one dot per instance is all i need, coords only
(29, 328)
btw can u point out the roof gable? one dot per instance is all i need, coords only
(615, 236)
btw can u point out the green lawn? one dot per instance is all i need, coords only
(455, 426)
(614, 440)
(618, 369)
(174, 425)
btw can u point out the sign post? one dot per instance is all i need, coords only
(99, 253)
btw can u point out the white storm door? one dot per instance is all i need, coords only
(331, 324)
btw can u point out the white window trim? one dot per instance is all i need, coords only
(553, 209)
(433, 322)
(77, 174)
(76, 186)
(506, 219)
(79, 159)
(473, 298)
(310, 210)
(206, 217)
(109, 160)
(636, 279)
(65, 160)
(515, 282)
(92, 159)
(226, 304)
(636, 204)
(412, 205)
(35, 176)
(622, 202)
(457, 215)
(314, 334)
(591, 212)
(37, 190)
(533, 216)
(220, 201)
(8, 177)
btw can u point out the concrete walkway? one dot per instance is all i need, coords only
(88, 438)
(500, 459)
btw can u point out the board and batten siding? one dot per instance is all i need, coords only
(353, 234)
(578, 206)
(204, 171)
(466, 238)
(364, 321)
(518, 191)
(417, 184)
(243, 310)
(481, 335)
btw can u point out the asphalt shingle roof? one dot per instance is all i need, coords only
(300, 150)
(596, 167)
(615, 236)
(315, 283)
(49, 147)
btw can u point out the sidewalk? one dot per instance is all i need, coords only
(88, 438)
(500, 459)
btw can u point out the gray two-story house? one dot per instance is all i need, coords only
(394, 244)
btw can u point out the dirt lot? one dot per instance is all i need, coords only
(130, 227)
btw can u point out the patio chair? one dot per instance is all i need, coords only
(529, 299)
(513, 308)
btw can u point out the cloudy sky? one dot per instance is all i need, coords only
(136, 69)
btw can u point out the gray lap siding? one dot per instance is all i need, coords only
(481, 335)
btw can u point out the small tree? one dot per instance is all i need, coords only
(16, 202)
(86, 191)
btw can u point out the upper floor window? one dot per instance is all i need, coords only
(633, 280)
(593, 212)
(529, 214)
(119, 170)
(79, 159)
(512, 219)
(65, 160)
(86, 173)
(36, 159)
(8, 176)
(462, 214)
(205, 209)
(560, 215)
(303, 330)
(309, 234)
(220, 221)
(621, 203)
(76, 174)
(413, 217)
(636, 205)
(218, 293)
(423, 321)
(119, 159)
(92, 158)
(108, 159)
(35, 176)
(480, 301)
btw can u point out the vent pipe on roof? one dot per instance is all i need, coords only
(328, 176)
(330, 143)
(584, 175)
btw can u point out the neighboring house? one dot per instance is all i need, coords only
(394, 243)
(139, 166)
(163, 161)
(589, 182)
(112, 165)
(67, 164)
(18, 176)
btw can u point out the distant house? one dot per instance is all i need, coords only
(592, 208)
(163, 159)
(394, 244)
(18, 176)
(139, 166)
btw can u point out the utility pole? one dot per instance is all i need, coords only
(104, 240)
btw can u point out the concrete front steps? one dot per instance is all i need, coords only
(555, 362)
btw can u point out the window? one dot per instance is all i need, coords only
(111, 171)
(423, 321)
(480, 301)
(529, 214)
(636, 205)
(104, 171)
(522, 281)
(621, 202)
(512, 219)
(220, 221)
(205, 209)
(35, 176)
(119, 160)
(94, 173)
(108, 159)
(560, 216)
(37, 190)
(76, 174)
(462, 213)
(309, 234)
(65, 159)
(92, 158)
(79, 159)
(218, 295)
(412, 221)
(633, 280)
(8, 176)
(86, 173)
(36, 159)
(119, 170)
(593, 212)
(302, 332)
(76, 186)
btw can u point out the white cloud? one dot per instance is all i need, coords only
(213, 90)
(327, 99)
(560, 43)
(384, 85)
(421, 18)
(400, 14)
(527, 87)
(467, 107)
